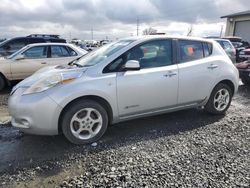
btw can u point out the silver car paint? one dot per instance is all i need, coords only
(125, 92)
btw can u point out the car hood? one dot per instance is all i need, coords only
(48, 71)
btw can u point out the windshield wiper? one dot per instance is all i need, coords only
(78, 65)
(72, 62)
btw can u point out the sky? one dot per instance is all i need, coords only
(115, 19)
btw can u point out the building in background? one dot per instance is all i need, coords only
(238, 24)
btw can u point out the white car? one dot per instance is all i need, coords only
(33, 57)
(126, 79)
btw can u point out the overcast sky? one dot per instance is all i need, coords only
(114, 18)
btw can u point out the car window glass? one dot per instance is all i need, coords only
(16, 44)
(36, 52)
(207, 47)
(227, 45)
(72, 52)
(190, 50)
(152, 54)
(59, 51)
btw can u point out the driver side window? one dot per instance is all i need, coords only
(151, 54)
(36, 52)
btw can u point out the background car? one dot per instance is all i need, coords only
(127, 79)
(239, 45)
(228, 47)
(244, 71)
(32, 57)
(12, 45)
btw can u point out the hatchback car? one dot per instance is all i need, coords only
(31, 58)
(10, 46)
(126, 79)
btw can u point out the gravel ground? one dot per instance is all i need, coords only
(183, 149)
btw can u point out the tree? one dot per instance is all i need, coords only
(190, 30)
(149, 31)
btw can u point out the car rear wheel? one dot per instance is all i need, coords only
(219, 100)
(84, 122)
(2, 83)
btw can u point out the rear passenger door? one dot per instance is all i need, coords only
(61, 55)
(197, 71)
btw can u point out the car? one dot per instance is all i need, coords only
(228, 47)
(32, 57)
(244, 71)
(10, 46)
(239, 45)
(245, 54)
(127, 79)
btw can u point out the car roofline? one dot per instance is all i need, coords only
(148, 37)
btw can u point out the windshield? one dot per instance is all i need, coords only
(3, 42)
(102, 53)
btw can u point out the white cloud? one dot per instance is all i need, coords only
(113, 18)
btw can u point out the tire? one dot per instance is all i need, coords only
(84, 122)
(245, 81)
(215, 102)
(2, 83)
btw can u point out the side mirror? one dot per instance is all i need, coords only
(132, 65)
(19, 57)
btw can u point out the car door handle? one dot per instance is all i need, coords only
(44, 63)
(212, 66)
(170, 74)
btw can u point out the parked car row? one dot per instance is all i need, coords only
(33, 57)
(10, 46)
(126, 79)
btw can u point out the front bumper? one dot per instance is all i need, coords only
(35, 113)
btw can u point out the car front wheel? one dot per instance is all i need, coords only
(84, 122)
(219, 100)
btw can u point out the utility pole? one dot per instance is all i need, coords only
(92, 34)
(138, 24)
(221, 30)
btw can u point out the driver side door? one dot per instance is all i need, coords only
(154, 87)
(33, 59)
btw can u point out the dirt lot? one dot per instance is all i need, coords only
(183, 149)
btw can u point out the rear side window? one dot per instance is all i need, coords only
(190, 50)
(59, 51)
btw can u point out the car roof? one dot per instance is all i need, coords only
(219, 39)
(50, 43)
(148, 37)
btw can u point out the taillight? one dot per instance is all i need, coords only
(234, 51)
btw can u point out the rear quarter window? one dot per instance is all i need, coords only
(190, 50)
(207, 47)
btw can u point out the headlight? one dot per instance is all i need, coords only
(51, 81)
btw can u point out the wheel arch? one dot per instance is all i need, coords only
(229, 83)
(95, 98)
